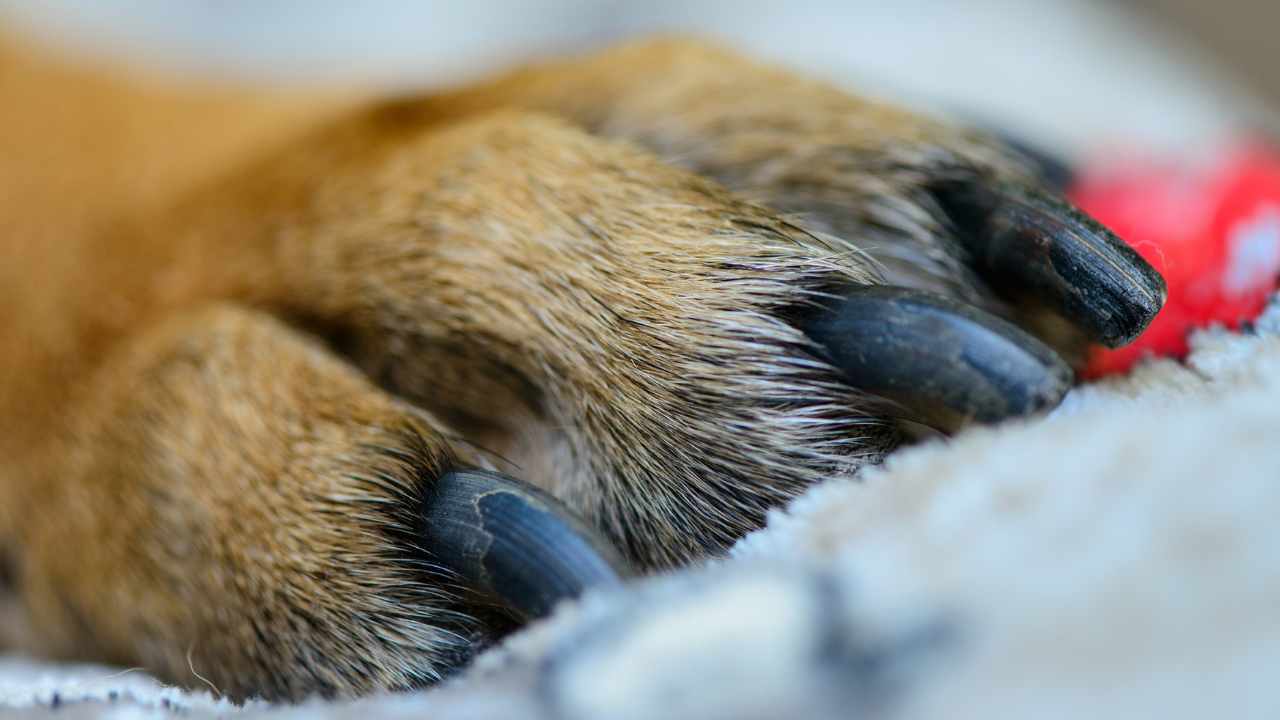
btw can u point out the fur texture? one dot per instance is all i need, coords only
(246, 334)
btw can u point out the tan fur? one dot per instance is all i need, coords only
(241, 333)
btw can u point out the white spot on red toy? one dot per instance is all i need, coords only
(1253, 258)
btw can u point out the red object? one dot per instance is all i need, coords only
(1213, 232)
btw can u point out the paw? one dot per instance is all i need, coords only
(962, 215)
(958, 224)
(651, 351)
(937, 207)
(670, 361)
(1024, 254)
(663, 359)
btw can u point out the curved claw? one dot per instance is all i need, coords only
(514, 542)
(1031, 241)
(945, 362)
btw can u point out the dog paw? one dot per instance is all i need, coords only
(672, 361)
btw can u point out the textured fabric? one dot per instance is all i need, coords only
(1116, 559)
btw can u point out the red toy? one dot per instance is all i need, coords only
(1214, 233)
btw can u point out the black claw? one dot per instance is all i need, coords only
(944, 362)
(514, 542)
(1028, 241)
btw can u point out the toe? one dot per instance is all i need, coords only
(944, 362)
(1028, 241)
(515, 543)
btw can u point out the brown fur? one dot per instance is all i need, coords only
(241, 333)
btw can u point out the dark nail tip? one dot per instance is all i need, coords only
(944, 362)
(1030, 240)
(514, 542)
(1134, 299)
(1128, 322)
(1112, 290)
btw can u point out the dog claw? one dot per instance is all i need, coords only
(514, 542)
(944, 362)
(1026, 240)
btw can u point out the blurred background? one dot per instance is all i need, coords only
(1074, 76)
